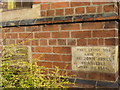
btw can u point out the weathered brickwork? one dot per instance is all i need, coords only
(51, 40)
(55, 42)
(49, 9)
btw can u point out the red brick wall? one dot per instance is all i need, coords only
(50, 9)
(55, 42)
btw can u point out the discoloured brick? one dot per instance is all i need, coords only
(81, 34)
(61, 42)
(104, 33)
(64, 50)
(93, 25)
(111, 41)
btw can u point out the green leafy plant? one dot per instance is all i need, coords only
(22, 74)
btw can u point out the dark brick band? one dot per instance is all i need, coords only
(53, 20)
(96, 84)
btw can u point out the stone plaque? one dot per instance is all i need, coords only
(17, 53)
(22, 53)
(95, 59)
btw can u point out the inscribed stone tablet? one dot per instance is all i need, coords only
(95, 59)
(18, 53)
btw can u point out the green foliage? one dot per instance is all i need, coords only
(22, 74)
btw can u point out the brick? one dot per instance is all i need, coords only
(63, 50)
(45, 6)
(38, 57)
(35, 42)
(45, 64)
(111, 24)
(25, 35)
(3, 35)
(43, 42)
(11, 42)
(80, 10)
(74, 4)
(60, 34)
(42, 49)
(50, 28)
(6, 29)
(33, 49)
(27, 42)
(62, 65)
(75, 26)
(81, 74)
(53, 57)
(111, 41)
(94, 75)
(107, 76)
(109, 8)
(101, 41)
(52, 42)
(99, 9)
(50, 12)
(42, 35)
(33, 28)
(91, 9)
(69, 11)
(59, 5)
(81, 34)
(93, 42)
(43, 13)
(104, 33)
(92, 25)
(100, 3)
(81, 42)
(61, 42)
(36, 2)
(18, 29)
(71, 42)
(110, 77)
(12, 35)
(66, 58)
(59, 12)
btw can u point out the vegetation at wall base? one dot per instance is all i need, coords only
(23, 74)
